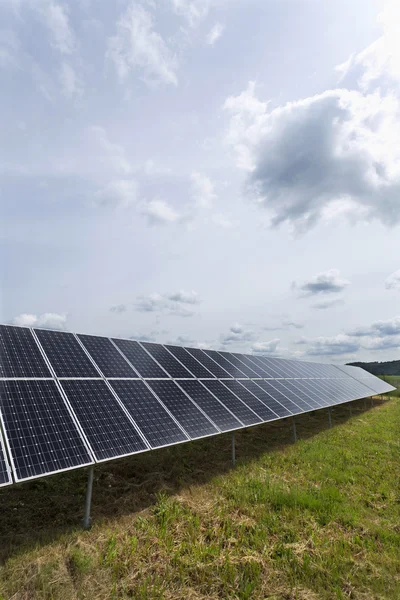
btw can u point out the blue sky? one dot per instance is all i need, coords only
(223, 173)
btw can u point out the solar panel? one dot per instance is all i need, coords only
(184, 410)
(260, 371)
(239, 409)
(266, 398)
(40, 432)
(208, 363)
(292, 390)
(106, 356)
(156, 424)
(108, 429)
(5, 472)
(234, 360)
(167, 361)
(265, 413)
(225, 364)
(270, 374)
(310, 391)
(279, 395)
(19, 354)
(214, 409)
(190, 362)
(65, 354)
(140, 359)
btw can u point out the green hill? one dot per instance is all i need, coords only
(380, 368)
(318, 519)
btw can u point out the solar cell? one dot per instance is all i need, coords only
(5, 473)
(278, 395)
(156, 424)
(266, 398)
(207, 362)
(261, 372)
(213, 408)
(190, 362)
(106, 356)
(167, 361)
(106, 425)
(19, 354)
(184, 410)
(257, 361)
(239, 409)
(292, 391)
(140, 359)
(248, 398)
(40, 431)
(306, 386)
(225, 364)
(234, 360)
(65, 354)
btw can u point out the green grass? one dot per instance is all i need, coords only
(395, 381)
(318, 519)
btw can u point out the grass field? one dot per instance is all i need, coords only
(319, 519)
(395, 381)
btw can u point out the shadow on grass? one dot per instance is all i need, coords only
(43, 510)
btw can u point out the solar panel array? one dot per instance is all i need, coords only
(70, 400)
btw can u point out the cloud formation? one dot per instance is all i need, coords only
(269, 348)
(328, 282)
(159, 212)
(325, 304)
(237, 335)
(330, 155)
(202, 190)
(138, 46)
(214, 34)
(171, 303)
(47, 320)
(393, 281)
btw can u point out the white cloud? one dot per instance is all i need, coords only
(120, 192)
(138, 46)
(393, 281)
(237, 335)
(170, 303)
(306, 155)
(203, 190)
(70, 83)
(270, 347)
(55, 17)
(193, 11)
(379, 63)
(47, 320)
(378, 329)
(325, 304)
(184, 297)
(329, 282)
(113, 155)
(9, 49)
(214, 34)
(119, 308)
(326, 346)
(159, 212)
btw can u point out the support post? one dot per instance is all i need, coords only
(372, 401)
(350, 409)
(294, 430)
(233, 450)
(329, 417)
(88, 500)
(365, 404)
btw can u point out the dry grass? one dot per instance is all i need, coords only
(318, 519)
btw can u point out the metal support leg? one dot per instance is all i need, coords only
(372, 401)
(233, 450)
(365, 404)
(88, 500)
(351, 410)
(329, 417)
(294, 430)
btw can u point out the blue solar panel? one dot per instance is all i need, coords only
(208, 363)
(19, 354)
(167, 361)
(190, 362)
(213, 408)
(266, 398)
(233, 370)
(265, 413)
(140, 359)
(107, 427)
(5, 473)
(39, 429)
(156, 424)
(184, 410)
(106, 356)
(239, 409)
(65, 354)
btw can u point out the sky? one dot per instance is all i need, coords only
(211, 173)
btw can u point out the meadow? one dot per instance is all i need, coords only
(315, 519)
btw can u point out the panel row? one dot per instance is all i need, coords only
(54, 426)
(41, 353)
